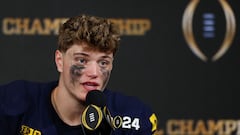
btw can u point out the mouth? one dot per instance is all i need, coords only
(90, 86)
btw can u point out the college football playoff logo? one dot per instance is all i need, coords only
(187, 26)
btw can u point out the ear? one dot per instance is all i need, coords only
(59, 60)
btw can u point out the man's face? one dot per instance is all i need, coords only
(82, 70)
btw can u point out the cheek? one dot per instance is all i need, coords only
(76, 72)
(106, 72)
(106, 75)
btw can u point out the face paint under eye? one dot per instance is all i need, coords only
(106, 75)
(76, 71)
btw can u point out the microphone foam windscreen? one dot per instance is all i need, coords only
(96, 97)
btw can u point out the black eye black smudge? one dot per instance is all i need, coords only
(76, 71)
(106, 74)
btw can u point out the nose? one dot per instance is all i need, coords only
(92, 70)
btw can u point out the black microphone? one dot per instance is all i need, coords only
(96, 117)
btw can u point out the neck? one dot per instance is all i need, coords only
(68, 109)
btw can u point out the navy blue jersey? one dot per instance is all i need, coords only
(26, 109)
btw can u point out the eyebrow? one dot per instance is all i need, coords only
(87, 55)
(80, 53)
(105, 56)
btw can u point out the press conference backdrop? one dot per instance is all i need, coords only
(182, 57)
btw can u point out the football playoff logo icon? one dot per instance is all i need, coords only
(187, 27)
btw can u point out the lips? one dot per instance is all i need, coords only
(90, 85)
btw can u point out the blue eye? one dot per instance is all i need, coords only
(82, 61)
(104, 63)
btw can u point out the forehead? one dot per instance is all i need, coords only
(84, 48)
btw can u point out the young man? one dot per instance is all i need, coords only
(84, 59)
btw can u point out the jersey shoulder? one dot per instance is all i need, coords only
(121, 102)
(17, 96)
